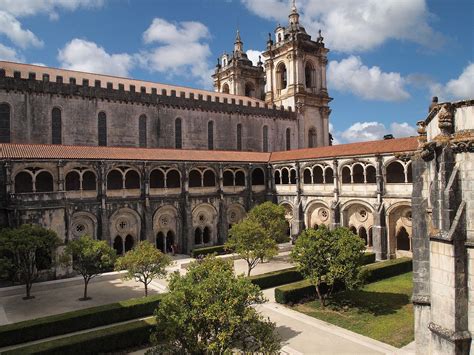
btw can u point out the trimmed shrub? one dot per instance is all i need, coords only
(116, 338)
(276, 278)
(295, 292)
(40, 328)
(368, 258)
(217, 249)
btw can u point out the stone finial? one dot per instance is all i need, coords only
(446, 119)
(433, 104)
(320, 37)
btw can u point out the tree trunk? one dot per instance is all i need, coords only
(320, 296)
(28, 285)
(146, 289)
(86, 283)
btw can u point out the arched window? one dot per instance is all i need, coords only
(318, 175)
(285, 177)
(197, 236)
(73, 181)
(129, 243)
(409, 174)
(132, 180)
(353, 230)
(142, 131)
(277, 178)
(178, 140)
(209, 178)
(173, 179)
(225, 88)
(403, 240)
(239, 136)
(195, 178)
(370, 242)
(282, 76)
(312, 138)
(292, 176)
(157, 179)
(346, 175)
(363, 234)
(395, 173)
(307, 176)
(89, 181)
(288, 139)
(228, 178)
(210, 135)
(206, 235)
(258, 177)
(118, 245)
(56, 124)
(102, 128)
(23, 182)
(265, 138)
(114, 180)
(370, 175)
(249, 90)
(169, 241)
(239, 178)
(328, 176)
(358, 174)
(5, 123)
(308, 73)
(44, 182)
(160, 241)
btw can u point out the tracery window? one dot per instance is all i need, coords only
(178, 134)
(5, 123)
(265, 138)
(210, 135)
(142, 131)
(102, 128)
(56, 126)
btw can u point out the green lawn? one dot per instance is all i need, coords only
(381, 310)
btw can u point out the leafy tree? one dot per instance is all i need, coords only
(327, 257)
(26, 250)
(143, 263)
(251, 242)
(89, 258)
(209, 310)
(272, 219)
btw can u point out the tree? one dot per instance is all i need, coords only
(272, 219)
(327, 257)
(143, 263)
(26, 250)
(209, 310)
(89, 258)
(251, 242)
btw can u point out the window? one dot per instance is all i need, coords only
(239, 136)
(311, 138)
(4, 123)
(132, 180)
(258, 177)
(73, 181)
(308, 72)
(209, 178)
(23, 183)
(56, 136)
(395, 173)
(115, 180)
(142, 131)
(249, 90)
(89, 181)
(157, 179)
(177, 134)
(44, 182)
(281, 77)
(173, 179)
(288, 139)
(210, 135)
(102, 127)
(225, 88)
(265, 138)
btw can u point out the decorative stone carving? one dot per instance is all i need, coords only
(446, 119)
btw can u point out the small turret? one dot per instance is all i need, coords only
(238, 44)
(294, 16)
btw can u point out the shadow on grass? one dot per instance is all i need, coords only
(376, 303)
(286, 333)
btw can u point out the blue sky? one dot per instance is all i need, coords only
(387, 57)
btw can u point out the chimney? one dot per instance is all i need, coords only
(388, 136)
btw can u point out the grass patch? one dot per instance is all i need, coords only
(381, 310)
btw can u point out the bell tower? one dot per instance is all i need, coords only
(295, 67)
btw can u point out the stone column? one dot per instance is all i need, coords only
(379, 232)
(149, 233)
(335, 206)
(187, 238)
(298, 214)
(104, 233)
(60, 176)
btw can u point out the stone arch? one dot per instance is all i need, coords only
(328, 175)
(362, 233)
(346, 175)
(228, 178)
(399, 216)
(258, 177)
(277, 177)
(358, 173)
(249, 89)
(125, 222)
(395, 172)
(209, 178)
(205, 215)
(285, 176)
(240, 178)
(358, 213)
(165, 221)
(309, 73)
(132, 179)
(370, 174)
(235, 214)
(195, 178)
(318, 174)
(89, 181)
(118, 245)
(282, 76)
(317, 213)
(225, 88)
(83, 223)
(157, 179)
(114, 180)
(307, 176)
(23, 182)
(288, 215)
(173, 179)
(44, 181)
(73, 181)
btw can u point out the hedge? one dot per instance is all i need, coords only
(276, 278)
(298, 291)
(113, 339)
(64, 323)
(218, 249)
(368, 258)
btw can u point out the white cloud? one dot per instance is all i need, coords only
(357, 26)
(350, 75)
(254, 55)
(369, 131)
(87, 56)
(32, 7)
(456, 89)
(11, 28)
(9, 54)
(181, 50)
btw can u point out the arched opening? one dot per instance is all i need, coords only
(265, 138)
(89, 181)
(370, 175)
(249, 90)
(285, 177)
(206, 235)
(277, 178)
(114, 180)
(197, 236)
(308, 74)
(132, 180)
(409, 174)
(328, 176)
(353, 230)
(56, 135)
(239, 178)
(170, 242)
(282, 76)
(102, 129)
(358, 174)
(195, 178)
(318, 175)
(225, 88)
(210, 135)
(346, 175)
(403, 239)
(129, 242)
(239, 136)
(370, 240)
(142, 131)
(23, 182)
(5, 123)
(307, 177)
(73, 181)
(395, 173)
(209, 178)
(293, 177)
(160, 242)
(44, 182)
(288, 139)
(258, 177)
(315, 226)
(312, 138)
(118, 245)
(178, 140)
(363, 235)
(157, 179)
(173, 179)
(228, 178)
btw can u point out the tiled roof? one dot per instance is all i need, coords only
(43, 151)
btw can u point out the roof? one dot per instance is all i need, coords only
(47, 152)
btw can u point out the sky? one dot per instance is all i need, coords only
(386, 61)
